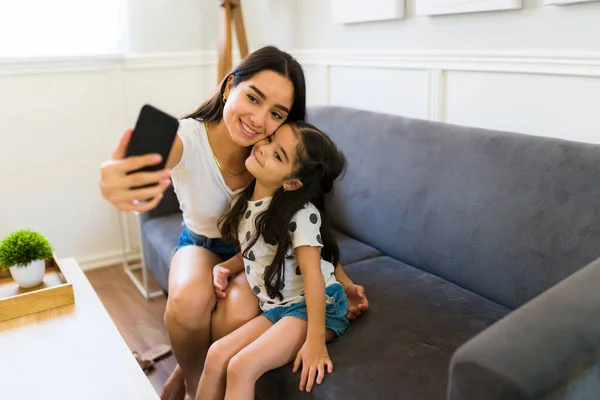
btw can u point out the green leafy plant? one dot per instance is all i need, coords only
(22, 247)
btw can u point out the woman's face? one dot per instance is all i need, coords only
(256, 107)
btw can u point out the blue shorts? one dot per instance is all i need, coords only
(335, 312)
(218, 246)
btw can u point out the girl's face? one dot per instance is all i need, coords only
(256, 107)
(272, 160)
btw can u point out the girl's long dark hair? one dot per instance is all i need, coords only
(318, 164)
(267, 58)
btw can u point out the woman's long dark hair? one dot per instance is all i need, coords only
(267, 58)
(318, 164)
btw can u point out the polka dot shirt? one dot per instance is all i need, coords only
(304, 229)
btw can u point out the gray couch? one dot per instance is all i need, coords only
(477, 250)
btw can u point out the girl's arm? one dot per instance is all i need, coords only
(309, 259)
(313, 355)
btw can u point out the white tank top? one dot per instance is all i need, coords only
(201, 190)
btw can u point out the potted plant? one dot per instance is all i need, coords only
(24, 254)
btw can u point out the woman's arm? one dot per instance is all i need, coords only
(342, 277)
(115, 182)
(222, 272)
(235, 264)
(358, 302)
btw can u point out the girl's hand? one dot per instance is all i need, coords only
(220, 282)
(357, 301)
(115, 184)
(314, 357)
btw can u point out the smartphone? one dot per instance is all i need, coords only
(154, 132)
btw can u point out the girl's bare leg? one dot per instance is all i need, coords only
(212, 381)
(261, 356)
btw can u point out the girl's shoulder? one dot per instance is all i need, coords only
(308, 212)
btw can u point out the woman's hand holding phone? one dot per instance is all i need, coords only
(116, 184)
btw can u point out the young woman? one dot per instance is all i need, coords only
(288, 254)
(207, 168)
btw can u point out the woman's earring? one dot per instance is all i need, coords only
(224, 99)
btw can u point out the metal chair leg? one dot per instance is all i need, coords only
(131, 268)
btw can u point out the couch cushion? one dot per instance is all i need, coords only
(400, 348)
(159, 239)
(351, 250)
(502, 214)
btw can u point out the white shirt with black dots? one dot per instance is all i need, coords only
(305, 231)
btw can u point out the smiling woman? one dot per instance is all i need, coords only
(42, 28)
(207, 164)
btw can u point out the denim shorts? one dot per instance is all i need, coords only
(335, 312)
(221, 248)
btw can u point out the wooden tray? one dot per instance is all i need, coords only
(53, 292)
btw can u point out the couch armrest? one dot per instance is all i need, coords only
(168, 205)
(536, 347)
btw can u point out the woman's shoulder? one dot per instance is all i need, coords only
(192, 133)
(187, 125)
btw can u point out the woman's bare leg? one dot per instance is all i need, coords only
(187, 317)
(212, 382)
(239, 307)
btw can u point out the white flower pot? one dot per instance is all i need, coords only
(29, 276)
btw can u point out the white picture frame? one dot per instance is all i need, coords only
(565, 2)
(445, 7)
(355, 11)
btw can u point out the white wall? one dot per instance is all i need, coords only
(62, 118)
(536, 26)
(191, 25)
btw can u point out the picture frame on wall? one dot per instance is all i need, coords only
(565, 2)
(445, 7)
(355, 11)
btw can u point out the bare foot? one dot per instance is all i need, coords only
(174, 388)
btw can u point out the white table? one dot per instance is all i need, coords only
(71, 352)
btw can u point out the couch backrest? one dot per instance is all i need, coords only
(502, 214)
(167, 206)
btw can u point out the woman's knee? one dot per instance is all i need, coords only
(191, 294)
(190, 307)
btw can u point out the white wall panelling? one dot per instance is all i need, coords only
(63, 117)
(537, 92)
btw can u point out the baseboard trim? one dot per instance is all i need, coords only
(105, 260)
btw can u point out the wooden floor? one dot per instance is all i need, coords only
(140, 322)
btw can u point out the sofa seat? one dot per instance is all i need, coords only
(400, 348)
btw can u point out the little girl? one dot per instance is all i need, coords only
(288, 254)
